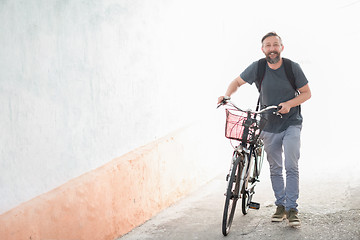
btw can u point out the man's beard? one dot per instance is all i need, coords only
(273, 60)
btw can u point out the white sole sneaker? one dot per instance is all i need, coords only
(295, 224)
(278, 219)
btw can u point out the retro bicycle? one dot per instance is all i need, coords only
(243, 126)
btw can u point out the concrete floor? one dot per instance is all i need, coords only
(329, 208)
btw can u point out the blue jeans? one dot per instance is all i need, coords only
(277, 144)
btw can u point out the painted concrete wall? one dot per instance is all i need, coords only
(109, 201)
(84, 82)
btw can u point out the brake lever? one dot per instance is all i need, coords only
(277, 112)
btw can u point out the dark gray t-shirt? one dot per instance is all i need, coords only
(275, 89)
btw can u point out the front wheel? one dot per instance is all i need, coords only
(232, 195)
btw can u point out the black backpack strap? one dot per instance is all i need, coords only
(290, 76)
(260, 73)
(259, 78)
(289, 73)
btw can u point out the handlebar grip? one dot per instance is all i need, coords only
(223, 101)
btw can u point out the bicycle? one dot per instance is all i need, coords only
(244, 127)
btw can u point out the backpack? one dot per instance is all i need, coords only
(261, 72)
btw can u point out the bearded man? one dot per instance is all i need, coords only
(281, 135)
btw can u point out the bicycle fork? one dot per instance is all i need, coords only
(240, 157)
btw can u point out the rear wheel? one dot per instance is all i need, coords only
(232, 195)
(247, 193)
(260, 158)
(246, 199)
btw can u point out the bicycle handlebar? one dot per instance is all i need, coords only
(226, 101)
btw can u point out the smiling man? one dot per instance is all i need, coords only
(280, 82)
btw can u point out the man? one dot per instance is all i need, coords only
(280, 135)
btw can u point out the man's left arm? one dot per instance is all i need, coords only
(305, 94)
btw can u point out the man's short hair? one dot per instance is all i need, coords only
(270, 34)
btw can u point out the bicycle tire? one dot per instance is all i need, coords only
(232, 194)
(260, 159)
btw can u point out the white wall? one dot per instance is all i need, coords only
(83, 82)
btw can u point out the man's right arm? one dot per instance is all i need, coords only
(234, 85)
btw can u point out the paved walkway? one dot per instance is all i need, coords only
(329, 208)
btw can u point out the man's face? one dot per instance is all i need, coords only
(272, 48)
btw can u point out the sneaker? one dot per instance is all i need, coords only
(293, 218)
(279, 215)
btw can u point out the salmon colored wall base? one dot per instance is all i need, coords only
(111, 200)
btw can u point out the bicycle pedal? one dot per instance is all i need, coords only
(254, 205)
